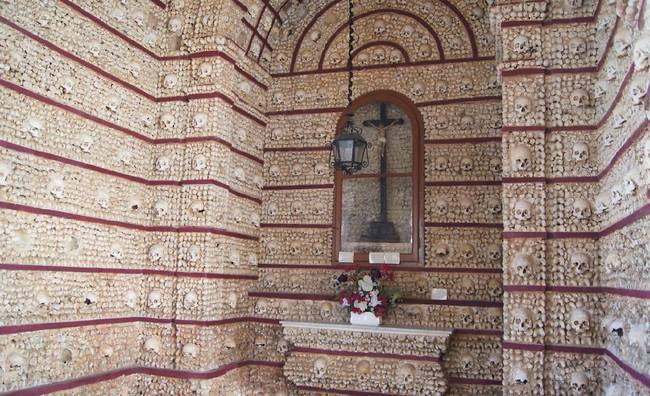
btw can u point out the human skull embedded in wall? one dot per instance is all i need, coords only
(326, 310)
(174, 24)
(320, 367)
(131, 299)
(200, 120)
(395, 56)
(577, 46)
(521, 45)
(580, 263)
(152, 344)
(282, 346)
(519, 374)
(520, 158)
(405, 375)
(579, 321)
(442, 205)
(522, 319)
(641, 53)
(156, 252)
(523, 105)
(154, 299)
(494, 206)
(167, 121)
(524, 265)
(199, 162)
(56, 186)
(523, 210)
(579, 98)
(379, 55)
(190, 300)
(581, 209)
(161, 208)
(163, 163)
(579, 383)
(190, 350)
(466, 205)
(34, 126)
(580, 152)
(379, 27)
(204, 70)
(466, 164)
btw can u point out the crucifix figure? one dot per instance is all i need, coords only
(382, 230)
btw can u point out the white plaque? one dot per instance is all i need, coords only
(391, 258)
(376, 258)
(346, 257)
(438, 294)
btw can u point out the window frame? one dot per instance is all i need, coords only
(416, 257)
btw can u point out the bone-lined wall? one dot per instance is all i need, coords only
(166, 197)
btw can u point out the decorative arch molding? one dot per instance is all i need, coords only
(371, 44)
(466, 25)
(410, 109)
(419, 20)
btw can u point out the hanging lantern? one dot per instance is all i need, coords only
(349, 150)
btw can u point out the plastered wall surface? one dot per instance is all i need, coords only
(166, 196)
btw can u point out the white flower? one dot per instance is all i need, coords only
(362, 305)
(366, 284)
(374, 301)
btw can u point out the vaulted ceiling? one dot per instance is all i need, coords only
(311, 35)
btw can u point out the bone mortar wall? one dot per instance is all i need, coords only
(130, 194)
(574, 128)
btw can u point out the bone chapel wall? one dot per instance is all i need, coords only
(166, 196)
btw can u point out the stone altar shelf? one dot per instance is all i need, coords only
(359, 359)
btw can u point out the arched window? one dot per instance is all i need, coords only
(379, 209)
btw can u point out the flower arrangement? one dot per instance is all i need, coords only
(371, 291)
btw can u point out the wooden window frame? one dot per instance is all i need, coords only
(416, 257)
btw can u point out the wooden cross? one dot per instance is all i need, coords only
(382, 125)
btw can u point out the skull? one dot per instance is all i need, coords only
(274, 171)
(611, 73)
(66, 85)
(466, 85)
(407, 31)
(523, 105)
(272, 248)
(466, 251)
(424, 51)
(278, 98)
(193, 253)
(637, 93)
(112, 103)
(441, 163)
(379, 55)
(131, 299)
(494, 252)
(395, 56)
(190, 350)
(197, 207)
(231, 300)
(523, 265)
(467, 286)
(283, 346)
(580, 152)
(152, 344)
(320, 169)
(466, 205)
(325, 310)
(581, 209)
(175, 24)
(494, 206)
(230, 342)
(160, 208)
(496, 165)
(494, 360)
(442, 249)
(261, 307)
(234, 257)
(199, 162)
(466, 164)
(125, 156)
(574, 3)
(363, 369)
(300, 96)
(318, 249)
(495, 317)
(466, 361)
(260, 341)
(579, 320)
(641, 53)
(523, 210)
(600, 90)
(320, 367)
(577, 46)
(519, 375)
(405, 374)
(579, 98)
(116, 251)
(580, 262)
(521, 45)
(163, 163)
(466, 122)
(441, 123)
(467, 314)
(170, 81)
(418, 89)
(379, 27)
(6, 169)
(523, 320)
(200, 120)
(56, 186)
(295, 248)
(33, 126)
(154, 299)
(602, 203)
(442, 205)
(167, 121)
(276, 134)
(494, 288)
(156, 252)
(315, 36)
(621, 47)
(205, 70)
(240, 174)
(421, 285)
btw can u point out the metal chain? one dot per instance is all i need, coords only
(350, 34)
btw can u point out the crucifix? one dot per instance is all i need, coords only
(382, 230)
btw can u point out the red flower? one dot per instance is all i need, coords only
(356, 310)
(387, 271)
(379, 311)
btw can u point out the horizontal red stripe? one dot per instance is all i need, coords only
(480, 332)
(384, 66)
(159, 3)
(54, 157)
(451, 183)
(299, 187)
(365, 354)
(643, 294)
(476, 140)
(25, 328)
(341, 391)
(139, 227)
(472, 381)
(630, 219)
(114, 374)
(129, 271)
(298, 149)
(396, 268)
(306, 225)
